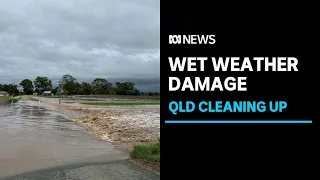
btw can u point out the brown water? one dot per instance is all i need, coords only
(32, 137)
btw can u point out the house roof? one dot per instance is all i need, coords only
(3, 92)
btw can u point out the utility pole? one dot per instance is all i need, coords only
(14, 84)
(59, 91)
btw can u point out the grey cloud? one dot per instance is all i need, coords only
(87, 39)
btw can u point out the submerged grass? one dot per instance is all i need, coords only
(16, 99)
(33, 99)
(122, 103)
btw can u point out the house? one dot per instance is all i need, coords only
(47, 93)
(4, 93)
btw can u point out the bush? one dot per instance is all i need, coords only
(149, 152)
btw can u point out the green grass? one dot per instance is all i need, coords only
(5, 98)
(121, 103)
(150, 152)
(9, 99)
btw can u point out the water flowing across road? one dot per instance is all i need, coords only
(32, 137)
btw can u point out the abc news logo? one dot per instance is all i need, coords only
(192, 39)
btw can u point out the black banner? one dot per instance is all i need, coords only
(244, 95)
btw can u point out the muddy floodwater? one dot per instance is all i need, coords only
(32, 138)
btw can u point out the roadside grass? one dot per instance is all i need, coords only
(4, 98)
(149, 152)
(121, 103)
(10, 99)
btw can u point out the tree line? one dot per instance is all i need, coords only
(68, 85)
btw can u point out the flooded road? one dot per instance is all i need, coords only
(32, 137)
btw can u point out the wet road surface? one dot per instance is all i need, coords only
(117, 170)
(33, 138)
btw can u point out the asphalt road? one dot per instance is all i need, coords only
(116, 170)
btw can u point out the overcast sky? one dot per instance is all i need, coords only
(112, 39)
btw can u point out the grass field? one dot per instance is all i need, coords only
(5, 98)
(122, 103)
(9, 99)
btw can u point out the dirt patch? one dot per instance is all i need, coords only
(121, 125)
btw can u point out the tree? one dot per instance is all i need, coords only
(27, 86)
(13, 90)
(42, 84)
(68, 84)
(125, 88)
(136, 92)
(55, 90)
(86, 88)
(10, 88)
(101, 86)
(69, 88)
(67, 78)
(77, 88)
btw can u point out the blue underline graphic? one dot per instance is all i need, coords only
(238, 121)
